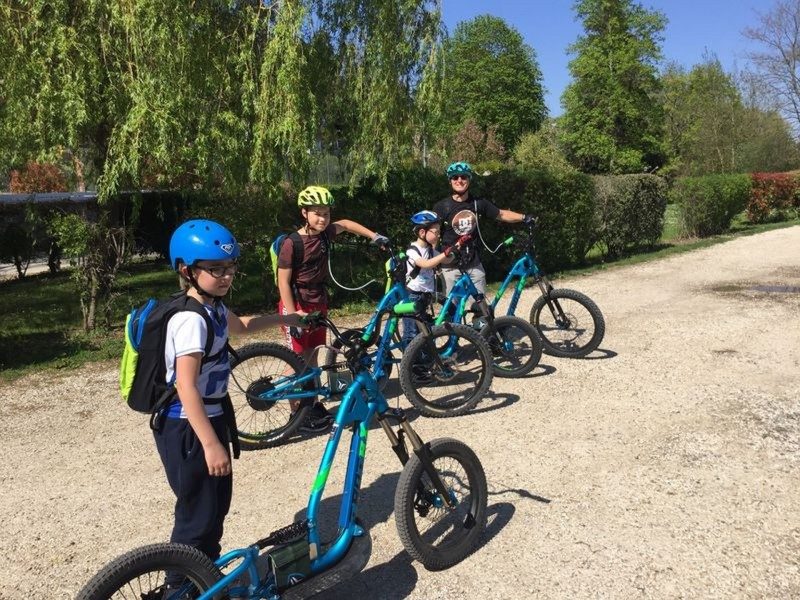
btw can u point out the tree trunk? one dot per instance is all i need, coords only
(91, 313)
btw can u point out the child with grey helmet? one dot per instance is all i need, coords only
(198, 425)
(460, 211)
(303, 274)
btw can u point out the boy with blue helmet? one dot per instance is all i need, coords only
(460, 213)
(422, 258)
(197, 427)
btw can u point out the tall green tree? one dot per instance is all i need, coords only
(492, 78)
(373, 72)
(613, 122)
(709, 128)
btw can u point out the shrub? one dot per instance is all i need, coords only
(630, 211)
(563, 204)
(772, 195)
(37, 177)
(707, 204)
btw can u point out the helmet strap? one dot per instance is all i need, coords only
(193, 281)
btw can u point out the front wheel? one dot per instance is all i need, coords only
(436, 535)
(259, 373)
(446, 372)
(569, 323)
(515, 345)
(141, 573)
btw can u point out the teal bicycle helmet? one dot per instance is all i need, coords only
(459, 168)
(200, 239)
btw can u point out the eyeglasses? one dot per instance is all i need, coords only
(462, 177)
(220, 272)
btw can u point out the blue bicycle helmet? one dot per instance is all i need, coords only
(424, 219)
(459, 168)
(201, 239)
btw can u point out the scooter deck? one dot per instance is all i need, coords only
(353, 563)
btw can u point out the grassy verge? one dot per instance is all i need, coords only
(41, 324)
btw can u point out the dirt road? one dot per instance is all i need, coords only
(665, 466)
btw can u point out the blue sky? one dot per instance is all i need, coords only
(549, 26)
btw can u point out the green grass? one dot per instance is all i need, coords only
(42, 321)
(671, 225)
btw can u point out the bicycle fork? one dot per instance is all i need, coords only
(421, 449)
(553, 304)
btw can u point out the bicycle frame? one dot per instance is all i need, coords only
(463, 289)
(525, 267)
(362, 402)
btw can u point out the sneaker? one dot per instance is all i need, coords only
(319, 412)
(420, 374)
(314, 425)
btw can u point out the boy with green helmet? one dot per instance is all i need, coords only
(303, 273)
(460, 212)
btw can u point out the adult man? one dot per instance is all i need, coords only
(460, 212)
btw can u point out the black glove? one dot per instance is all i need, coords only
(529, 220)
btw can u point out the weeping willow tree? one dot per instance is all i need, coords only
(213, 95)
(177, 94)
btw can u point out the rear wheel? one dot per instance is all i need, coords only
(433, 533)
(569, 323)
(515, 345)
(263, 418)
(454, 382)
(141, 574)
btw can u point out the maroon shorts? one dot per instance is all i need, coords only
(308, 338)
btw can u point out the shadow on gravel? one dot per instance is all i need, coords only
(519, 492)
(397, 578)
(600, 354)
(540, 371)
(494, 401)
(394, 579)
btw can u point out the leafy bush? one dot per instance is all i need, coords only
(37, 177)
(542, 150)
(707, 204)
(563, 204)
(772, 195)
(630, 211)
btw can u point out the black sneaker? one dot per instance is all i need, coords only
(421, 374)
(319, 412)
(314, 425)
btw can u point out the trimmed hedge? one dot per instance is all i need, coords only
(630, 211)
(565, 208)
(707, 204)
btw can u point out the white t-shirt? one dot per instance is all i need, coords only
(425, 281)
(186, 334)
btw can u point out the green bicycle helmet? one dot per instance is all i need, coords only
(315, 195)
(459, 168)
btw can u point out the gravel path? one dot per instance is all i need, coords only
(665, 466)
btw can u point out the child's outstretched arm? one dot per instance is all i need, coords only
(357, 229)
(237, 324)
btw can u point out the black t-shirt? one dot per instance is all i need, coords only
(461, 218)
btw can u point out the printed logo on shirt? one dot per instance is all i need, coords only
(464, 222)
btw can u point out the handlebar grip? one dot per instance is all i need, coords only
(313, 318)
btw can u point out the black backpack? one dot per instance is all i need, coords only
(142, 370)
